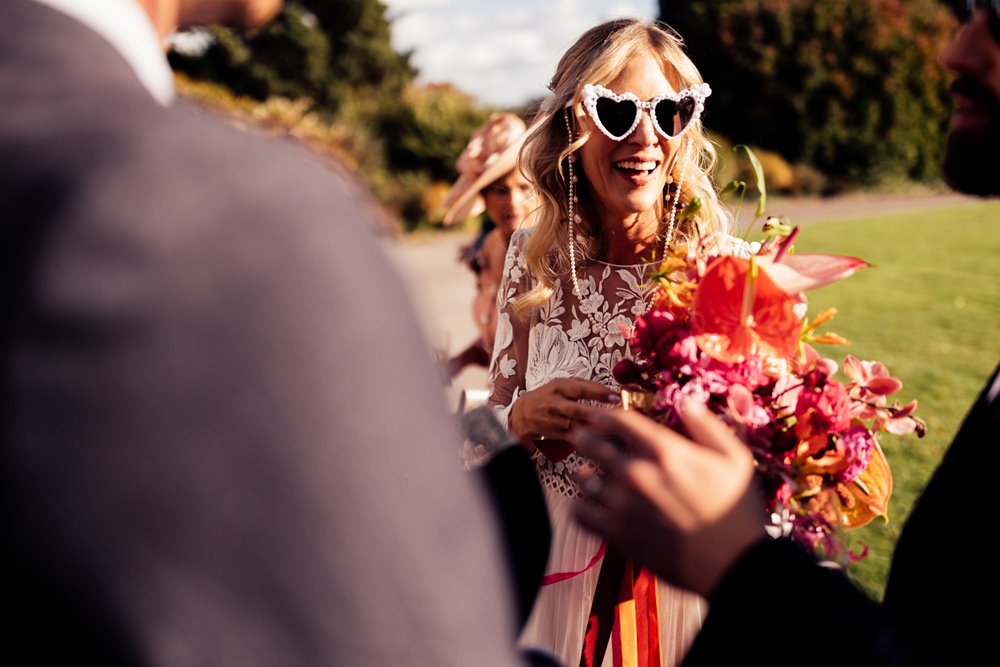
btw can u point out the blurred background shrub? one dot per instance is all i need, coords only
(832, 96)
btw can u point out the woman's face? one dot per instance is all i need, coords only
(508, 201)
(628, 176)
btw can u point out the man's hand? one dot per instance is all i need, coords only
(685, 508)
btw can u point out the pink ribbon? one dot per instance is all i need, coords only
(556, 577)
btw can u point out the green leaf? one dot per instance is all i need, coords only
(758, 172)
(733, 186)
(690, 210)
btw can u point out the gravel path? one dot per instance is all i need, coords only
(442, 289)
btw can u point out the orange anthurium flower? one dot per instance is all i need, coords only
(871, 492)
(740, 312)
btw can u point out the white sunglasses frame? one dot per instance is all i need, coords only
(592, 93)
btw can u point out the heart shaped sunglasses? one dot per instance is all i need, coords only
(618, 115)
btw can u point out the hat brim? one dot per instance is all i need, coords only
(465, 200)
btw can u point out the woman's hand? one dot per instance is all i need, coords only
(551, 410)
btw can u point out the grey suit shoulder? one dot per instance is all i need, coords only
(221, 428)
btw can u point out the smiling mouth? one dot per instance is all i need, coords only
(637, 167)
(968, 112)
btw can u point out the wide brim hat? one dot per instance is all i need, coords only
(490, 154)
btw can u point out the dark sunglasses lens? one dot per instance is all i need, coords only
(673, 117)
(616, 117)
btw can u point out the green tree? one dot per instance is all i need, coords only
(420, 134)
(325, 50)
(851, 88)
(402, 138)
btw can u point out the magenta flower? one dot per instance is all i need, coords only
(823, 409)
(854, 448)
(676, 349)
(748, 373)
(649, 329)
(743, 408)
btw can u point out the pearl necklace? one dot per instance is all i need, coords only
(574, 218)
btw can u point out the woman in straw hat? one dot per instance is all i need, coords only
(489, 181)
(618, 153)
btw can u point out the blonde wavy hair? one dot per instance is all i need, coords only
(598, 57)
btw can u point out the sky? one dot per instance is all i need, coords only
(502, 52)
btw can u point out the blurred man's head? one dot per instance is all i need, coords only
(235, 13)
(974, 139)
(168, 15)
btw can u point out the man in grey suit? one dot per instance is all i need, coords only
(222, 441)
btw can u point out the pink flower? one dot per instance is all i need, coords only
(676, 348)
(670, 399)
(712, 380)
(900, 420)
(776, 491)
(870, 380)
(743, 408)
(629, 373)
(785, 394)
(816, 533)
(823, 409)
(855, 449)
(649, 329)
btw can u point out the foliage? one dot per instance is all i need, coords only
(279, 116)
(418, 138)
(333, 64)
(431, 127)
(782, 177)
(323, 50)
(852, 89)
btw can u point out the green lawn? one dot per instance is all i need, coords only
(929, 309)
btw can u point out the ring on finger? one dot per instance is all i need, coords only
(592, 486)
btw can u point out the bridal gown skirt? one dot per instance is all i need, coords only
(558, 620)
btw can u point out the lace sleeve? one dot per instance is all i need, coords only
(510, 349)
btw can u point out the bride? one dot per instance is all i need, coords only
(619, 154)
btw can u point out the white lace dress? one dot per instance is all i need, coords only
(560, 341)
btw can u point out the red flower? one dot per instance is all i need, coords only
(740, 312)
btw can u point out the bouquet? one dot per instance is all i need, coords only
(733, 333)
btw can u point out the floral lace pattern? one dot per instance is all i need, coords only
(561, 341)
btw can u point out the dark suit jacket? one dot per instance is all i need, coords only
(221, 441)
(777, 607)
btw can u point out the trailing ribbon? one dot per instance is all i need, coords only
(556, 577)
(625, 615)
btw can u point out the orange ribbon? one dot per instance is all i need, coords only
(625, 615)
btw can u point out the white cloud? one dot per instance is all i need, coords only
(503, 54)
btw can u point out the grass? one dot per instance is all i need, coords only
(929, 309)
